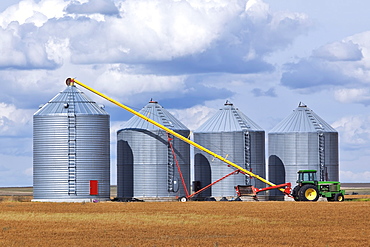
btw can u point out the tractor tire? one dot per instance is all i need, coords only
(330, 199)
(339, 197)
(295, 193)
(308, 192)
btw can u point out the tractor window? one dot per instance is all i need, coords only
(307, 176)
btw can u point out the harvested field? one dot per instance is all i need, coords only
(185, 224)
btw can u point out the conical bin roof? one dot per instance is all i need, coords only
(303, 119)
(156, 112)
(228, 119)
(71, 100)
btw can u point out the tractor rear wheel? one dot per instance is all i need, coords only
(295, 193)
(308, 192)
(339, 197)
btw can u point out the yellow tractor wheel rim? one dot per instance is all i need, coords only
(310, 194)
(340, 198)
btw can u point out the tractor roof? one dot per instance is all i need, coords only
(302, 171)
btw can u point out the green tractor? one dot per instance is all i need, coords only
(309, 189)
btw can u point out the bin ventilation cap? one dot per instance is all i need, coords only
(228, 103)
(153, 101)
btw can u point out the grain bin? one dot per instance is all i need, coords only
(71, 158)
(234, 136)
(146, 165)
(302, 141)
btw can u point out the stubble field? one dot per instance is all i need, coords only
(185, 224)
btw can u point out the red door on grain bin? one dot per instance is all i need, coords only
(94, 187)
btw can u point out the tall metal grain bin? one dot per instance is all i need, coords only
(71, 159)
(234, 136)
(302, 141)
(146, 167)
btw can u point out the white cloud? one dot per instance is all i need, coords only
(343, 64)
(354, 131)
(29, 88)
(360, 70)
(199, 37)
(57, 50)
(104, 7)
(117, 83)
(193, 117)
(159, 30)
(13, 121)
(362, 40)
(27, 11)
(24, 44)
(339, 51)
(352, 95)
(257, 10)
(10, 56)
(356, 177)
(18, 50)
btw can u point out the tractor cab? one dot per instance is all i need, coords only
(307, 177)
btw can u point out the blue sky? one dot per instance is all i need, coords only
(191, 56)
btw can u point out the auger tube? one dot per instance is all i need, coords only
(71, 81)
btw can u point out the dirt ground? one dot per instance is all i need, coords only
(185, 224)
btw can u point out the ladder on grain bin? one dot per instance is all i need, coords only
(287, 190)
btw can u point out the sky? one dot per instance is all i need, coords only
(191, 56)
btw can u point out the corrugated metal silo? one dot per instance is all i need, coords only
(71, 156)
(302, 141)
(230, 134)
(146, 167)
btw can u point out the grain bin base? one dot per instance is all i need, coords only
(158, 199)
(71, 200)
(145, 199)
(250, 198)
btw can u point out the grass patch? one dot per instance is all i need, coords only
(360, 200)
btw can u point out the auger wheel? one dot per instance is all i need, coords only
(183, 199)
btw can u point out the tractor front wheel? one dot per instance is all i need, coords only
(308, 192)
(339, 197)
